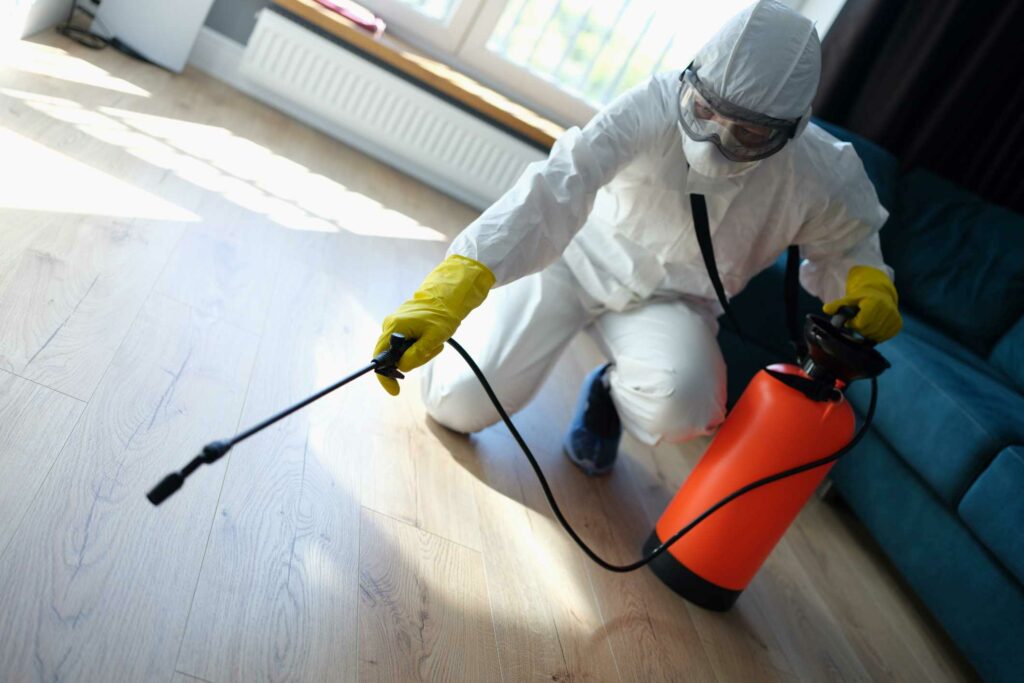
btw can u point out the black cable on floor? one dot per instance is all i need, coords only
(622, 568)
(82, 36)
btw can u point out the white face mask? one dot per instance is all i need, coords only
(705, 159)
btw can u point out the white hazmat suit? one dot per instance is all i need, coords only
(600, 236)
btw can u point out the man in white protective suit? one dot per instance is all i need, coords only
(601, 235)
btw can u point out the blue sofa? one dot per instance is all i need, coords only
(939, 478)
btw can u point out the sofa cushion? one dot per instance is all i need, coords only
(994, 509)
(922, 330)
(946, 419)
(1008, 354)
(978, 602)
(881, 166)
(959, 261)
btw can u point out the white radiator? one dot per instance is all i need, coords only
(419, 132)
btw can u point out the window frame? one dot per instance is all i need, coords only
(444, 35)
(516, 79)
(461, 42)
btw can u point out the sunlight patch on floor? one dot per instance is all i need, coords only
(42, 179)
(558, 571)
(265, 182)
(45, 60)
(243, 172)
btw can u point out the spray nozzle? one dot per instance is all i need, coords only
(211, 453)
(166, 488)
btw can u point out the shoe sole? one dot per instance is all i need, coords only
(587, 468)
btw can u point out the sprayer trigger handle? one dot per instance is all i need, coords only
(386, 363)
(843, 316)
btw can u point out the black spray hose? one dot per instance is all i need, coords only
(647, 559)
(386, 364)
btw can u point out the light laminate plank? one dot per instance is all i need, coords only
(277, 595)
(562, 636)
(34, 424)
(741, 645)
(807, 630)
(407, 474)
(97, 287)
(226, 266)
(96, 582)
(87, 256)
(423, 608)
(185, 678)
(639, 621)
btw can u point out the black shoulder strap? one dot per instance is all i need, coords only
(791, 297)
(702, 227)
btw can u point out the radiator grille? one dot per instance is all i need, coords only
(433, 138)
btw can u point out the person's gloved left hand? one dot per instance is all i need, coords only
(447, 295)
(871, 291)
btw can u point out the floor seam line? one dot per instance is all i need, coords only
(42, 482)
(138, 313)
(418, 528)
(44, 386)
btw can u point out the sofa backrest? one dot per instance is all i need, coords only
(959, 260)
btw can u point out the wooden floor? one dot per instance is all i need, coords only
(178, 261)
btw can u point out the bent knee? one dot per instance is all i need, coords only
(459, 403)
(671, 405)
(455, 399)
(682, 417)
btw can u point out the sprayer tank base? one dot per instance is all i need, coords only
(696, 589)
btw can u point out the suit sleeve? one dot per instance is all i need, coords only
(844, 232)
(530, 226)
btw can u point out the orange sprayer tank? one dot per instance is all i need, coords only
(771, 428)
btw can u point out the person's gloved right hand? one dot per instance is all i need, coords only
(447, 295)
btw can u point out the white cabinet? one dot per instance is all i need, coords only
(162, 31)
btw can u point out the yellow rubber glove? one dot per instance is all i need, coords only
(870, 290)
(447, 295)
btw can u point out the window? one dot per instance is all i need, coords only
(435, 9)
(437, 24)
(567, 58)
(590, 49)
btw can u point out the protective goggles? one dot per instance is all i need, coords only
(740, 134)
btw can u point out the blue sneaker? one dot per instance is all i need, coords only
(595, 431)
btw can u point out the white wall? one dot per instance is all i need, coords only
(22, 18)
(235, 18)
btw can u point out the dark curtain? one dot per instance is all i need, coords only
(939, 83)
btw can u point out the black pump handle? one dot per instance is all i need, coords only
(844, 315)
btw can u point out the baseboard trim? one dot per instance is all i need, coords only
(215, 54)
